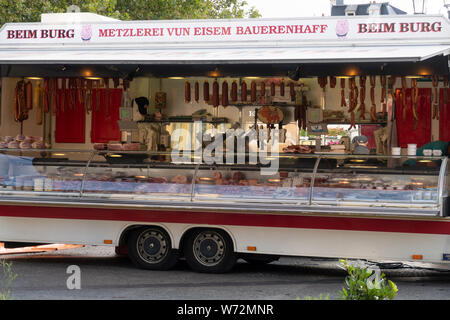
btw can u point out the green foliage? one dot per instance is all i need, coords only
(30, 10)
(362, 284)
(6, 280)
(320, 297)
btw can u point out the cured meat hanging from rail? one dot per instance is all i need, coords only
(196, 91)
(243, 91)
(187, 92)
(106, 85)
(20, 107)
(272, 89)
(333, 81)
(253, 92)
(234, 91)
(263, 89)
(215, 97)
(206, 91)
(373, 108)
(292, 90)
(445, 92)
(300, 113)
(383, 95)
(343, 102)
(282, 88)
(225, 94)
(89, 89)
(362, 97)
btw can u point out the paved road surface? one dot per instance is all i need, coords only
(107, 276)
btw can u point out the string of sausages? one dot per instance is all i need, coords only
(414, 97)
(225, 95)
(373, 108)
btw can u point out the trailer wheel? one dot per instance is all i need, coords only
(151, 248)
(209, 250)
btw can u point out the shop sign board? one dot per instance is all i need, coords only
(245, 30)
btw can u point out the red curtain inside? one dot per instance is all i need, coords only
(104, 116)
(368, 130)
(406, 131)
(444, 114)
(70, 117)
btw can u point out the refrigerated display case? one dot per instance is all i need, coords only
(344, 184)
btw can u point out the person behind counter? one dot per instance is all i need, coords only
(143, 104)
(360, 143)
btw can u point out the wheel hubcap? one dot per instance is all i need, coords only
(209, 248)
(152, 246)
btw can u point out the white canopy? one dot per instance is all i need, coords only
(223, 55)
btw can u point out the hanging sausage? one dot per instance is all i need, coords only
(343, 102)
(373, 109)
(404, 86)
(362, 96)
(225, 94)
(106, 84)
(383, 95)
(282, 89)
(206, 91)
(292, 90)
(272, 89)
(253, 92)
(215, 97)
(263, 89)
(333, 82)
(234, 91)
(187, 92)
(243, 92)
(196, 92)
(29, 95)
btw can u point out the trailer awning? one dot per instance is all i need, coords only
(231, 55)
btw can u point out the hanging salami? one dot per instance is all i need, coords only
(196, 91)
(343, 102)
(243, 92)
(373, 108)
(215, 97)
(333, 82)
(272, 89)
(46, 95)
(106, 84)
(206, 91)
(187, 92)
(234, 91)
(292, 90)
(263, 89)
(253, 92)
(225, 94)
(383, 95)
(282, 89)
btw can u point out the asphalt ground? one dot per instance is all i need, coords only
(105, 276)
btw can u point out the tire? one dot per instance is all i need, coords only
(209, 250)
(150, 248)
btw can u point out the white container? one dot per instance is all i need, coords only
(38, 184)
(396, 151)
(412, 152)
(427, 152)
(412, 145)
(437, 153)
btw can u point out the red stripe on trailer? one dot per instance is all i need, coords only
(232, 219)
